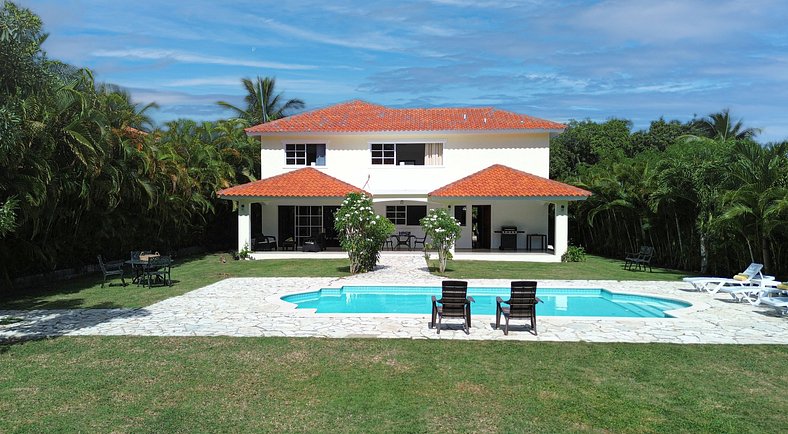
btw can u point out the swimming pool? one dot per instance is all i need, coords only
(595, 302)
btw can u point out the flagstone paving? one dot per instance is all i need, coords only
(252, 307)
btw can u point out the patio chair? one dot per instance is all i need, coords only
(521, 305)
(422, 241)
(641, 257)
(315, 244)
(264, 242)
(109, 269)
(454, 303)
(751, 276)
(158, 268)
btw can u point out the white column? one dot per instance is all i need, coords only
(561, 227)
(244, 225)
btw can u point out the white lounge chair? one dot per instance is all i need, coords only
(751, 276)
(751, 293)
(779, 304)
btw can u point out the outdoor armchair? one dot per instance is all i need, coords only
(158, 269)
(110, 269)
(639, 258)
(454, 303)
(264, 242)
(521, 305)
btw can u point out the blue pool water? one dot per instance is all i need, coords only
(412, 299)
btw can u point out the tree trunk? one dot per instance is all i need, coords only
(704, 255)
(765, 252)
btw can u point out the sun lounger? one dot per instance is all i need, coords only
(749, 293)
(751, 276)
(780, 303)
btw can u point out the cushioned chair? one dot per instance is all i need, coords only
(315, 244)
(110, 269)
(454, 303)
(520, 305)
(264, 242)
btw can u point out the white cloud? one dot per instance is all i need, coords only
(185, 57)
(369, 41)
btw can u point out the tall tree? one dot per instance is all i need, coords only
(720, 126)
(759, 181)
(263, 104)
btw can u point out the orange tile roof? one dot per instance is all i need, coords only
(502, 181)
(306, 182)
(361, 116)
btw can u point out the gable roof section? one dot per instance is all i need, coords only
(360, 116)
(502, 181)
(306, 182)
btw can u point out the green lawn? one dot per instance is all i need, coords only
(188, 274)
(196, 272)
(133, 384)
(594, 268)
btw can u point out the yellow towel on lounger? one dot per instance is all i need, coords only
(783, 285)
(741, 277)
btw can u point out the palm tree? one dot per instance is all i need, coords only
(758, 197)
(720, 126)
(263, 104)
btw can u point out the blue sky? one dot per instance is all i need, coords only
(558, 60)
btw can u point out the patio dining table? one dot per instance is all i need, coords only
(402, 239)
(137, 266)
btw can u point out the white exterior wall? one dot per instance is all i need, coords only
(244, 225)
(348, 158)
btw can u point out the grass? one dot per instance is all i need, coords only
(594, 268)
(142, 384)
(199, 271)
(188, 274)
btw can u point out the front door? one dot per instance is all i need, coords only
(482, 216)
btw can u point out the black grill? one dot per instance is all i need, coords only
(509, 237)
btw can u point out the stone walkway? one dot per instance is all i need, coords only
(252, 307)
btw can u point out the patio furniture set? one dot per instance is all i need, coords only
(455, 303)
(404, 238)
(146, 268)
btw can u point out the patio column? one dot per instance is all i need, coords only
(244, 225)
(561, 228)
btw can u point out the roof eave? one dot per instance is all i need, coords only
(544, 198)
(399, 132)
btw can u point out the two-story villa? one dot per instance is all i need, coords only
(488, 167)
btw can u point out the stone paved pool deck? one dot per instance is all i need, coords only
(252, 307)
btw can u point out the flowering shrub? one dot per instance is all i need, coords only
(443, 231)
(574, 254)
(361, 232)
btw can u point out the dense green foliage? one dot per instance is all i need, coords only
(81, 177)
(361, 232)
(703, 193)
(223, 384)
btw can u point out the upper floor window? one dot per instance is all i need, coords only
(408, 154)
(305, 154)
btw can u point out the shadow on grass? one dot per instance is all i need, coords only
(40, 324)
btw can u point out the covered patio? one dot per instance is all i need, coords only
(505, 214)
